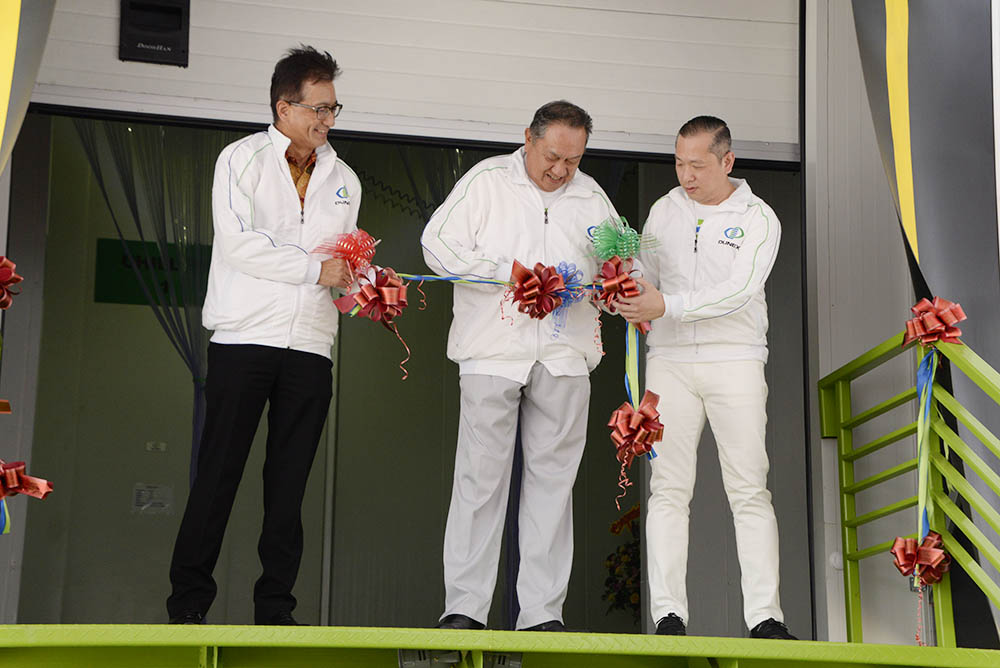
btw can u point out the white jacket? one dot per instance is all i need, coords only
(262, 281)
(493, 216)
(713, 291)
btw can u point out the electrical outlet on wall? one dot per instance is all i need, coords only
(156, 446)
(152, 499)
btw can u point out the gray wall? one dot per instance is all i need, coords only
(859, 294)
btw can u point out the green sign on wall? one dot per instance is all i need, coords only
(115, 281)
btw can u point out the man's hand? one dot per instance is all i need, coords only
(644, 308)
(335, 273)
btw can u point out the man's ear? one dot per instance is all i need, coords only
(728, 160)
(283, 109)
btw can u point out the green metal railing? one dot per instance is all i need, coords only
(838, 421)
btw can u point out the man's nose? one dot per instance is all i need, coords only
(329, 121)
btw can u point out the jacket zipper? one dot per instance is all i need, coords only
(694, 325)
(545, 256)
(298, 288)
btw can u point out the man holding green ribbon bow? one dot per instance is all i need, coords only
(704, 296)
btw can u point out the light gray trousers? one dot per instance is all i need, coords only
(553, 413)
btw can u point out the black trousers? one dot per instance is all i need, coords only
(241, 378)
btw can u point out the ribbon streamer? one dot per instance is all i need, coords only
(14, 481)
(8, 277)
(634, 430)
(928, 560)
(934, 321)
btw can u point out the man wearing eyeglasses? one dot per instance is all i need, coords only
(276, 195)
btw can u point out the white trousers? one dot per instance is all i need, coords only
(553, 413)
(733, 396)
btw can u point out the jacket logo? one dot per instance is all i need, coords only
(724, 242)
(342, 194)
(734, 233)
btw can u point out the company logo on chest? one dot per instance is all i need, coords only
(730, 236)
(343, 197)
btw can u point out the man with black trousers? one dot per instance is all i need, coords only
(276, 195)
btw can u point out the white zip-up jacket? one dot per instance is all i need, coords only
(493, 216)
(262, 281)
(711, 272)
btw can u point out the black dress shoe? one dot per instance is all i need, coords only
(551, 625)
(460, 622)
(281, 619)
(671, 625)
(772, 629)
(188, 617)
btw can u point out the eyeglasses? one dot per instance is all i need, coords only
(322, 111)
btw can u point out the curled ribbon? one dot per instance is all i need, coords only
(934, 321)
(357, 247)
(929, 560)
(381, 296)
(615, 283)
(8, 277)
(535, 291)
(634, 431)
(14, 481)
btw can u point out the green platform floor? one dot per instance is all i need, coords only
(156, 646)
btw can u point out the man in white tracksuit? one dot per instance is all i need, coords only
(277, 194)
(533, 205)
(704, 293)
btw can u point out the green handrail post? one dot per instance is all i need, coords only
(944, 618)
(848, 512)
(837, 421)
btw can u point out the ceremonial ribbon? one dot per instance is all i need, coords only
(8, 277)
(925, 391)
(14, 481)
(928, 560)
(634, 429)
(934, 321)
(4, 517)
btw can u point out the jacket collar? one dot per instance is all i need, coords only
(326, 157)
(324, 153)
(577, 187)
(738, 201)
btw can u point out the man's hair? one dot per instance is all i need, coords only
(563, 112)
(297, 68)
(722, 141)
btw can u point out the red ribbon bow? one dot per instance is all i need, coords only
(382, 296)
(8, 277)
(13, 481)
(617, 283)
(929, 557)
(357, 247)
(934, 321)
(634, 432)
(535, 291)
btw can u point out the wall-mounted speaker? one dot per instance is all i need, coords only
(155, 31)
